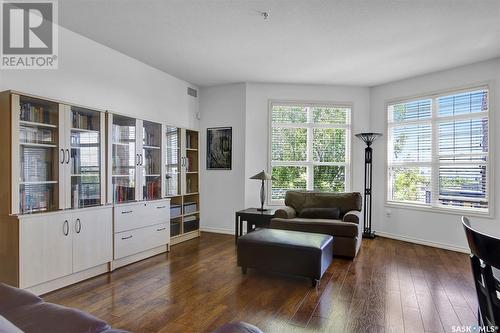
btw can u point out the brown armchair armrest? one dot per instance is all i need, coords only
(352, 216)
(285, 213)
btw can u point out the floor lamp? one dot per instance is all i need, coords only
(368, 138)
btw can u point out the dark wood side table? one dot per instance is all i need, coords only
(254, 218)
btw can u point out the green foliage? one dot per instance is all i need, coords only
(329, 178)
(399, 112)
(329, 144)
(330, 115)
(289, 114)
(287, 178)
(289, 144)
(408, 184)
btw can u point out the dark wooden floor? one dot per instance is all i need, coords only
(391, 286)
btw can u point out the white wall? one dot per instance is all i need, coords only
(222, 191)
(257, 125)
(245, 108)
(94, 75)
(431, 227)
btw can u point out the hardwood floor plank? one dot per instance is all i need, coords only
(391, 286)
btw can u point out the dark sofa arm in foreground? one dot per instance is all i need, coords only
(29, 313)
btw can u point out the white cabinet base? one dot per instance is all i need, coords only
(65, 281)
(139, 256)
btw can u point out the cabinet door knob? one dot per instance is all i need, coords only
(161, 229)
(66, 228)
(127, 212)
(78, 226)
(128, 237)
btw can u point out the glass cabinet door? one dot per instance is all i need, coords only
(39, 155)
(85, 142)
(124, 159)
(173, 152)
(150, 160)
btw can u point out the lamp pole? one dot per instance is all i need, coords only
(368, 138)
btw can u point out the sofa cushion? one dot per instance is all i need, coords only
(11, 298)
(321, 213)
(310, 199)
(48, 317)
(319, 226)
(7, 327)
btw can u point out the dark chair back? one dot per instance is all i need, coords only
(485, 255)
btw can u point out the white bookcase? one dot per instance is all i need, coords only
(84, 194)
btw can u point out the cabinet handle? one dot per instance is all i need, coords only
(142, 159)
(137, 159)
(78, 226)
(66, 228)
(67, 151)
(161, 207)
(161, 229)
(63, 156)
(127, 211)
(128, 237)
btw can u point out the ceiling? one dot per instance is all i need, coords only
(349, 42)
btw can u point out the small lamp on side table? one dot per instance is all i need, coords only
(262, 176)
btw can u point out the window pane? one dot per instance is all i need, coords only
(329, 178)
(463, 186)
(329, 144)
(411, 143)
(411, 184)
(411, 110)
(469, 102)
(465, 138)
(289, 114)
(287, 178)
(289, 144)
(329, 115)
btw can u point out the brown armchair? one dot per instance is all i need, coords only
(346, 229)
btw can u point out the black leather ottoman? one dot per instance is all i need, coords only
(288, 252)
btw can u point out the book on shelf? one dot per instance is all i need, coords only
(34, 113)
(124, 193)
(83, 121)
(152, 189)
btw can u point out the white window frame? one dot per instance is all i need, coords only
(434, 163)
(309, 163)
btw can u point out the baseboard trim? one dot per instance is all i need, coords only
(117, 263)
(423, 242)
(217, 230)
(68, 280)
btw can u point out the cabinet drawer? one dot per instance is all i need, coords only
(129, 217)
(159, 211)
(135, 241)
(143, 214)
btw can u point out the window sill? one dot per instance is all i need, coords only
(440, 210)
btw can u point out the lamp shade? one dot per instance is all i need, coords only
(368, 137)
(263, 175)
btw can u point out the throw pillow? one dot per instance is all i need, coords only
(320, 213)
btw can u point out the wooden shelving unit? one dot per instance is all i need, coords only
(183, 161)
